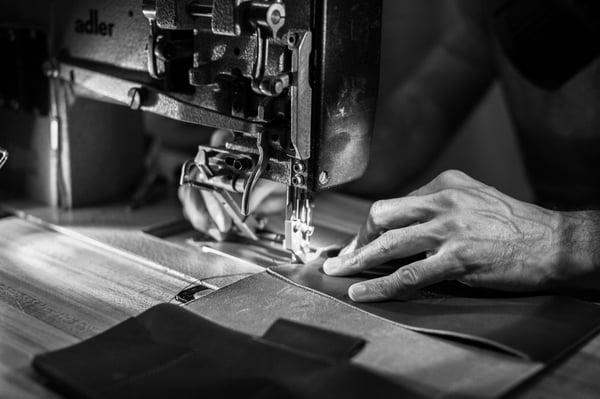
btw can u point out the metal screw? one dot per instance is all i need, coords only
(274, 86)
(278, 86)
(324, 178)
(298, 180)
(135, 98)
(299, 167)
(49, 70)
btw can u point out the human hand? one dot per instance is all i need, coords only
(207, 215)
(469, 231)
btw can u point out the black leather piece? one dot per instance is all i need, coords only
(540, 328)
(313, 340)
(171, 352)
(434, 367)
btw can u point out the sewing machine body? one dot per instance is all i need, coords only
(296, 81)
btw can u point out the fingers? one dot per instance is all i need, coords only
(201, 208)
(419, 206)
(216, 212)
(403, 282)
(220, 137)
(394, 214)
(268, 198)
(394, 244)
(206, 213)
(274, 204)
(351, 247)
(400, 228)
(195, 211)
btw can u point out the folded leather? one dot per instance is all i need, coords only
(539, 328)
(170, 352)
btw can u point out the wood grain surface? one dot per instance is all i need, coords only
(56, 290)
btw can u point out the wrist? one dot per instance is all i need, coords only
(578, 243)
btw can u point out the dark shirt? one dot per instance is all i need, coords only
(559, 131)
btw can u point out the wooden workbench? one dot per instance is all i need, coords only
(57, 289)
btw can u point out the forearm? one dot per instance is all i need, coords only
(417, 120)
(578, 263)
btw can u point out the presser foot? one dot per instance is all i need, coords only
(298, 225)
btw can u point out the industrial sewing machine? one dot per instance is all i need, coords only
(296, 81)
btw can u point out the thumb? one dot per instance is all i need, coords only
(220, 137)
(216, 212)
(268, 198)
(194, 209)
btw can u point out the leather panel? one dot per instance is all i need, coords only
(540, 328)
(433, 367)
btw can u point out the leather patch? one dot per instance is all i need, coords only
(313, 340)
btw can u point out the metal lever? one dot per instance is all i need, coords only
(261, 165)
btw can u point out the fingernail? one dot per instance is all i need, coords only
(349, 248)
(346, 250)
(216, 234)
(358, 292)
(331, 265)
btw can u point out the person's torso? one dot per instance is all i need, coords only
(559, 131)
(559, 134)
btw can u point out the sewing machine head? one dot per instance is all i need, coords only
(295, 80)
